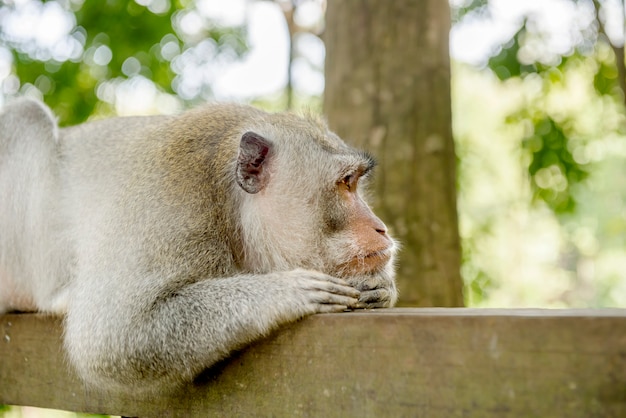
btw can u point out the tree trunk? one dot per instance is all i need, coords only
(388, 91)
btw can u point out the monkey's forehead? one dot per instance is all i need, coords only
(331, 142)
(303, 128)
(326, 138)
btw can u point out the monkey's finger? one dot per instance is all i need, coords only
(332, 279)
(377, 298)
(336, 288)
(334, 299)
(336, 280)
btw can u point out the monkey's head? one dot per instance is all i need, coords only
(303, 204)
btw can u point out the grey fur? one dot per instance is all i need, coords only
(137, 230)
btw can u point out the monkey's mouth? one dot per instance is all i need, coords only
(379, 255)
(370, 262)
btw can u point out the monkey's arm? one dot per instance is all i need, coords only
(182, 332)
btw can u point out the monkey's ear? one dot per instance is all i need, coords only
(252, 173)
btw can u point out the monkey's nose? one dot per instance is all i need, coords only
(379, 226)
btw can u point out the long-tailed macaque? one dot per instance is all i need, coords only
(169, 241)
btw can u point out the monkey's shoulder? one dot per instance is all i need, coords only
(115, 127)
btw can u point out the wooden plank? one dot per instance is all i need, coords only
(394, 362)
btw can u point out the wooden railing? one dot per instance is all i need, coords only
(381, 363)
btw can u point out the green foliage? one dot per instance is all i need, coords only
(563, 98)
(461, 8)
(117, 40)
(553, 169)
(605, 80)
(505, 63)
(477, 282)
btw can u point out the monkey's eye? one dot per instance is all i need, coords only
(348, 182)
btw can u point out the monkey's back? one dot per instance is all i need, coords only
(32, 245)
(154, 183)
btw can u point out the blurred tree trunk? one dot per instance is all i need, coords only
(388, 91)
(618, 50)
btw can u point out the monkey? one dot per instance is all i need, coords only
(168, 242)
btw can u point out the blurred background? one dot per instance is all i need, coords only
(537, 98)
(538, 113)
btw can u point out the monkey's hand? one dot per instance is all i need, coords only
(320, 293)
(377, 290)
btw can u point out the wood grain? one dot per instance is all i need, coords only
(381, 363)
